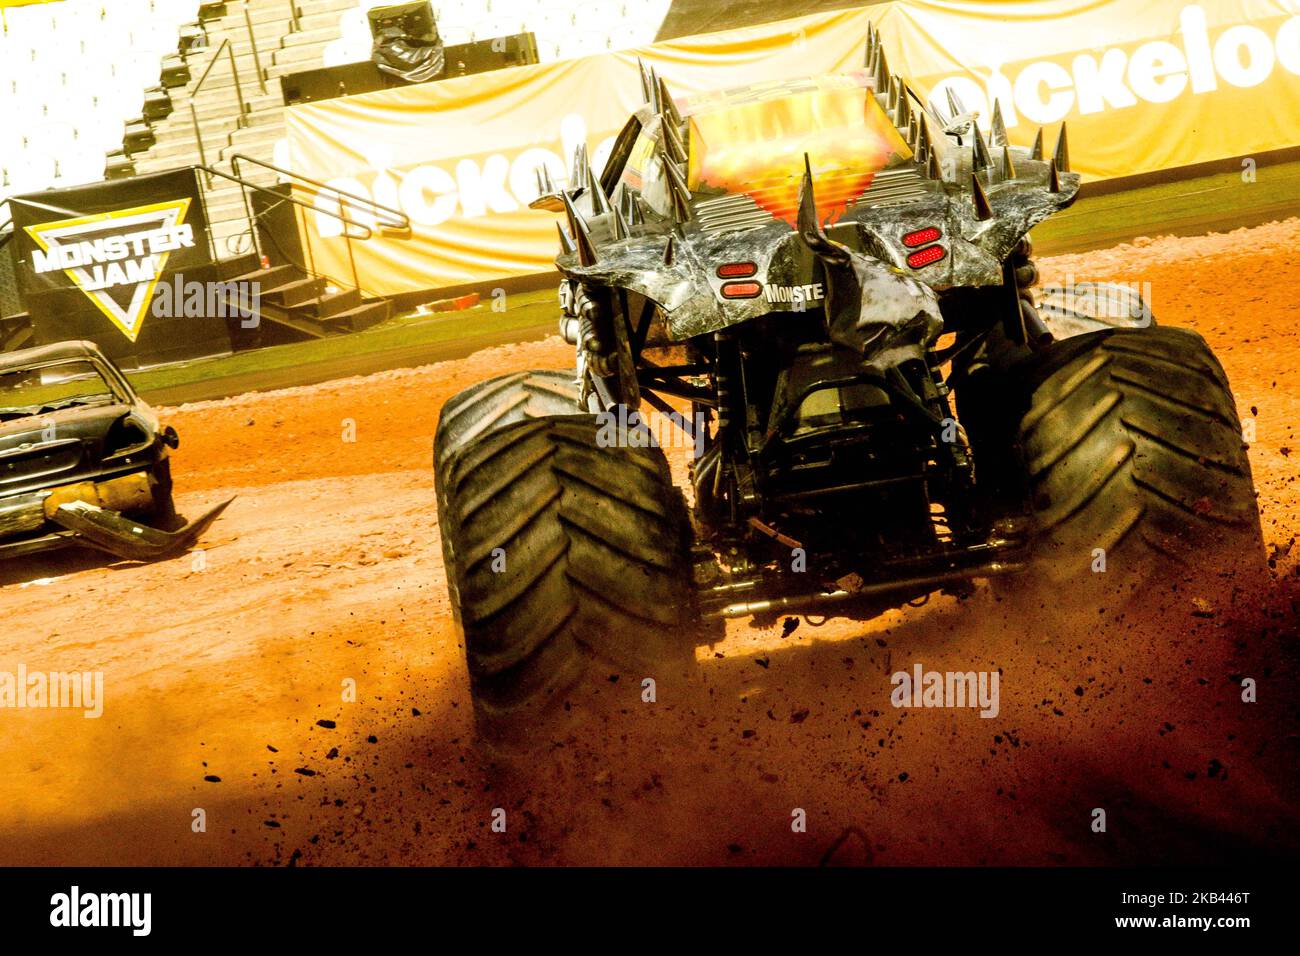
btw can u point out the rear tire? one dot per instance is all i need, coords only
(1131, 452)
(561, 556)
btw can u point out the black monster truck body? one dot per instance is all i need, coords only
(804, 275)
(83, 460)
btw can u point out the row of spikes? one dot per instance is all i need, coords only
(628, 211)
(673, 150)
(982, 162)
(998, 134)
(910, 122)
(913, 125)
(624, 214)
(896, 103)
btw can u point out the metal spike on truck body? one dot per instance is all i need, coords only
(1036, 151)
(667, 107)
(1062, 152)
(599, 201)
(983, 210)
(902, 115)
(997, 128)
(955, 105)
(680, 195)
(645, 80)
(566, 242)
(881, 76)
(979, 152)
(673, 142)
(620, 230)
(579, 169)
(936, 114)
(1008, 170)
(634, 214)
(585, 248)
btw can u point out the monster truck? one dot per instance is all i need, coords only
(83, 461)
(828, 284)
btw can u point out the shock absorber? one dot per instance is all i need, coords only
(1037, 334)
(588, 323)
(722, 380)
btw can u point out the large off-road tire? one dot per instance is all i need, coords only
(502, 401)
(562, 556)
(496, 403)
(1133, 459)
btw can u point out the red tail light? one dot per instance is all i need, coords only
(741, 290)
(922, 236)
(924, 257)
(737, 270)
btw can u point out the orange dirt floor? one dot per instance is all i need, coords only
(326, 573)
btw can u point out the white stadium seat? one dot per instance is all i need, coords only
(72, 73)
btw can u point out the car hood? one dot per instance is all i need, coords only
(63, 447)
(78, 421)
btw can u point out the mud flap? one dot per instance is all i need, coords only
(120, 536)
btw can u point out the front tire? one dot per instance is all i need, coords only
(562, 557)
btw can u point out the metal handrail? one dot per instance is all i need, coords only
(252, 40)
(293, 16)
(399, 220)
(240, 122)
(345, 200)
(246, 185)
(369, 233)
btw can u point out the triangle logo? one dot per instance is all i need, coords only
(115, 258)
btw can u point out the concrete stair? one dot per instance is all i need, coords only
(299, 305)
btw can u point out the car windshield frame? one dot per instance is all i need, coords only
(113, 392)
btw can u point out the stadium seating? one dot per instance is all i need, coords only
(74, 74)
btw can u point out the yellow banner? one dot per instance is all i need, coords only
(1144, 85)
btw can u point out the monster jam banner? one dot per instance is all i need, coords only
(103, 261)
(1144, 84)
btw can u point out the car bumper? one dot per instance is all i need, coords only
(25, 520)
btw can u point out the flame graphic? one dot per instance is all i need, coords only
(756, 146)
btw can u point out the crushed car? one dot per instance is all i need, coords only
(83, 460)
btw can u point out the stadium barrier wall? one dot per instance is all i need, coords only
(1145, 85)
